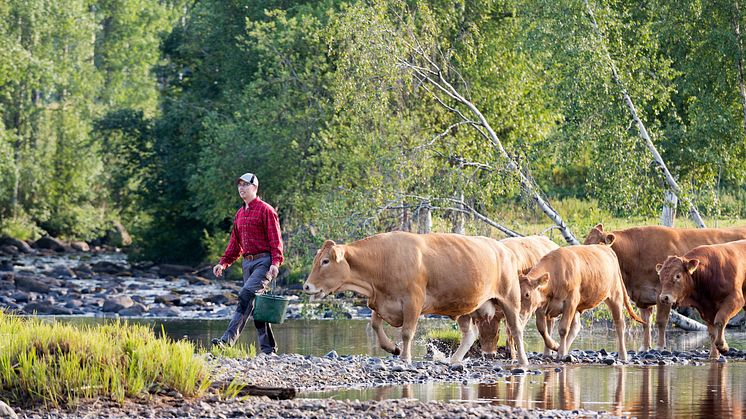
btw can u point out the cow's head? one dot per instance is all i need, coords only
(329, 270)
(676, 278)
(533, 292)
(597, 235)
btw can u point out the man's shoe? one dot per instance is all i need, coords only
(219, 342)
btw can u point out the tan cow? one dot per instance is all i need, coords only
(405, 275)
(711, 279)
(639, 249)
(570, 280)
(528, 251)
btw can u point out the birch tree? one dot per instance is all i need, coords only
(673, 185)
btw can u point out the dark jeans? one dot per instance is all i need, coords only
(254, 280)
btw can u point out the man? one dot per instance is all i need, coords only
(256, 236)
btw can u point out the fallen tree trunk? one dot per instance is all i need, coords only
(276, 393)
(685, 323)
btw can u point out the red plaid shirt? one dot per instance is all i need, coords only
(256, 229)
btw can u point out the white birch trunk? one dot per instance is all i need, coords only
(693, 212)
(668, 216)
(739, 58)
(458, 216)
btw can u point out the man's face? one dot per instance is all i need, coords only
(246, 190)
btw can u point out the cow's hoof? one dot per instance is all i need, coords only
(396, 351)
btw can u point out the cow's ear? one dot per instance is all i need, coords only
(691, 265)
(543, 279)
(339, 253)
(658, 268)
(328, 243)
(599, 226)
(609, 239)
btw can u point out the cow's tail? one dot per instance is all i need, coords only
(628, 305)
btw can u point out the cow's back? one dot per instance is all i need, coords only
(529, 250)
(453, 274)
(722, 266)
(639, 249)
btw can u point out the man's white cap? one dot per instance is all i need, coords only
(249, 178)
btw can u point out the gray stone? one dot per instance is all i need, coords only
(80, 246)
(9, 250)
(7, 411)
(27, 283)
(62, 271)
(50, 243)
(169, 299)
(45, 307)
(20, 245)
(174, 270)
(116, 303)
(107, 267)
(136, 310)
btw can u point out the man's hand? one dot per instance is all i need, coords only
(272, 272)
(217, 270)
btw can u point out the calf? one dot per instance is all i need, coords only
(570, 280)
(711, 279)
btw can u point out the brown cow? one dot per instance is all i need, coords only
(569, 281)
(528, 251)
(405, 275)
(639, 249)
(711, 279)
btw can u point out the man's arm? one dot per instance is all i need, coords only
(274, 235)
(232, 252)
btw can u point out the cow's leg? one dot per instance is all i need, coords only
(574, 329)
(468, 336)
(541, 326)
(516, 332)
(647, 334)
(376, 322)
(409, 326)
(712, 331)
(662, 313)
(728, 309)
(616, 307)
(568, 316)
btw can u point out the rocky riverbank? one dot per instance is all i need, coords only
(55, 278)
(308, 374)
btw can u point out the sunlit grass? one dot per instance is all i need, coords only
(53, 363)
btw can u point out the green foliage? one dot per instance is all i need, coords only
(57, 364)
(146, 112)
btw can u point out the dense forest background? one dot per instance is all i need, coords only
(144, 112)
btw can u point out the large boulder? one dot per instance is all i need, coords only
(9, 250)
(117, 303)
(107, 267)
(7, 411)
(45, 307)
(50, 243)
(80, 246)
(29, 283)
(21, 245)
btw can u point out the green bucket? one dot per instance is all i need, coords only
(270, 308)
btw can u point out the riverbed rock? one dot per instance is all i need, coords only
(7, 411)
(46, 307)
(169, 299)
(6, 266)
(28, 283)
(20, 245)
(80, 246)
(62, 271)
(107, 267)
(117, 303)
(9, 250)
(51, 243)
(137, 309)
(174, 270)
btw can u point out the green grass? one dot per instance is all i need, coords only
(56, 364)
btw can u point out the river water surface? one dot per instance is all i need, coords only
(670, 391)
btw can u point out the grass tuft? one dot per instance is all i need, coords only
(51, 363)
